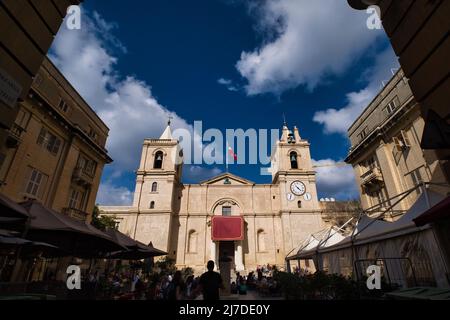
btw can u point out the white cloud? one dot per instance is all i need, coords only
(303, 42)
(228, 84)
(339, 120)
(111, 195)
(125, 103)
(335, 181)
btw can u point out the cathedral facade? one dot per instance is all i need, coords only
(253, 224)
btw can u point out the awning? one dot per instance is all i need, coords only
(135, 250)
(436, 213)
(369, 230)
(227, 228)
(9, 244)
(10, 209)
(79, 238)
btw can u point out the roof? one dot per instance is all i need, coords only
(228, 176)
(167, 134)
(438, 212)
(370, 230)
(358, 4)
(11, 209)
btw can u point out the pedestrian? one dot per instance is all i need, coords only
(210, 283)
(176, 290)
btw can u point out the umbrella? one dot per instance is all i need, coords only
(29, 248)
(135, 250)
(77, 237)
(10, 209)
(12, 215)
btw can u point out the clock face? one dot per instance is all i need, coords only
(290, 197)
(298, 188)
(307, 196)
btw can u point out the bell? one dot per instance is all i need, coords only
(159, 158)
(293, 157)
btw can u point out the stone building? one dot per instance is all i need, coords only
(419, 34)
(28, 30)
(55, 148)
(253, 224)
(385, 149)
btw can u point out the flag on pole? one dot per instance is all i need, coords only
(231, 152)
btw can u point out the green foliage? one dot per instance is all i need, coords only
(166, 266)
(317, 286)
(102, 222)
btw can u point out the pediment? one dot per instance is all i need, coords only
(227, 179)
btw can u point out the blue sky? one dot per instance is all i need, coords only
(231, 64)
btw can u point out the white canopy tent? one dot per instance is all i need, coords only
(375, 239)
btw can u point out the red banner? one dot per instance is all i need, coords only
(227, 228)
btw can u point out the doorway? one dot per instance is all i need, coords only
(226, 250)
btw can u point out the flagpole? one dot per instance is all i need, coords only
(226, 157)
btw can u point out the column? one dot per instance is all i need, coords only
(213, 255)
(239, 257)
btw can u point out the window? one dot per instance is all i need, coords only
(49, 141)
(63, 106)
(192, 241)
(294, 160)
(159, 157)
(22, 118)
(152, 205)
(226, 211)
(392, 106)
(92, 134)
(91, 167)
(299, 204)
(363, 133)
(401, 141)
(261, 240)
(154, 187)
(36, 183)
(76, 199)
(416, 178)
(87, 165)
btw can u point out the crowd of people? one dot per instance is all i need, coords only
(133, 285)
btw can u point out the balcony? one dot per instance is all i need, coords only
(81, 177)
(372, 177)
(75, 213)
(15, 136)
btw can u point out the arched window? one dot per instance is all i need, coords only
(299, 204)
(154, 186)
(192, 242)
(226, 211)
(294, 160)
(261, 240)
(159, 157)
(152, 205)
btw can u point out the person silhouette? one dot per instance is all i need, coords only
(210, 283)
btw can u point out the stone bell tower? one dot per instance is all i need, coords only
(157, 187)
(293, 172)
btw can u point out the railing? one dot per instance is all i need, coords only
(75, 213)
(15, 134)
(16, 131)
(81, 176)
(374, 174)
